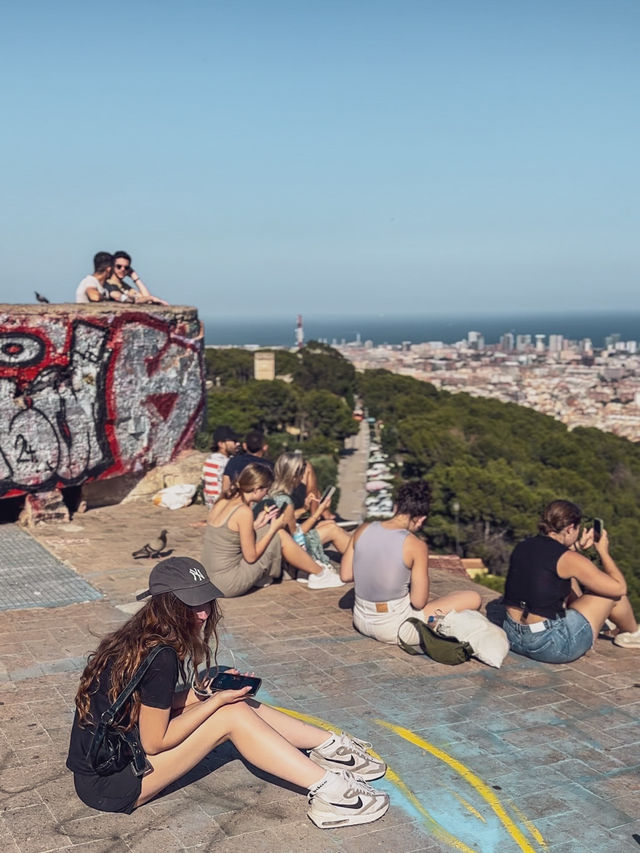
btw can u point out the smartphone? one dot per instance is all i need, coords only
(230, 681)
(597, 529)
(328, 493)
(280, 511)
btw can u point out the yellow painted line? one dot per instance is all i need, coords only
(533, 829)
(468, 806)
(469, 776)
(435, 828)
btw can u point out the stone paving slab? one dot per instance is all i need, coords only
(30, 576)
(531, 757)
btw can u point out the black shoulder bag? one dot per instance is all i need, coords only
(111, 749)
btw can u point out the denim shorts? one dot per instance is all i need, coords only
(383, 625)
(561, 641)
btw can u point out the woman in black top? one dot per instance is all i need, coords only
(556, 599)
(177, 730)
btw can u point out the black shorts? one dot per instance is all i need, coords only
(118, 792)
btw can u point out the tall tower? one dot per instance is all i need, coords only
(299, 333)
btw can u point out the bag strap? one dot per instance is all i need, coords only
(411, 650)
(110, 714)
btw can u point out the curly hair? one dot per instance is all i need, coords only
(164, 620)
(557, 515)
(413, 499)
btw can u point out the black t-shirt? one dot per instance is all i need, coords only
(236, 465)
(156, 691)
(533, 578)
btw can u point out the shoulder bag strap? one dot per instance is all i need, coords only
(110, 714)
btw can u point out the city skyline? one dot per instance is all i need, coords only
(399, 156)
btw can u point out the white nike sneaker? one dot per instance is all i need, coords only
(325, 580)
(341, 752)
(340, 799)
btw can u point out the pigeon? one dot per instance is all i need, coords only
(152, 552)
(41, 298)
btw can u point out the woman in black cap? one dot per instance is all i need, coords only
(177, 730)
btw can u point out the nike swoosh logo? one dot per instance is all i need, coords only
(356, 805)
(348, 763)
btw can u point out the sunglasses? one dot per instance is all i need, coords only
(122, 266)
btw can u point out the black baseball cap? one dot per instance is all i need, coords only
(185, 577)
(224, 433)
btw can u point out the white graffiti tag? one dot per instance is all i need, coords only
(53, 430)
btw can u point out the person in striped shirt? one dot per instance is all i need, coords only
(225, 444)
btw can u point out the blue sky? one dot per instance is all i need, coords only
(399, 156)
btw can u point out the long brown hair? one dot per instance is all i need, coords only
(164, 620)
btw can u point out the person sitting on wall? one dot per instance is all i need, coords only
(118, 290)
(224, 446)
(556, 599)
(255, 450)
(92, 287)
(389, 565)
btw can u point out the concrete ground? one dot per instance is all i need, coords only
(530, 757)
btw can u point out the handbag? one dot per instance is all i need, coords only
(447, 650)
(111, 749)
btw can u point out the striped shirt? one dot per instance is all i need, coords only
(212, 472)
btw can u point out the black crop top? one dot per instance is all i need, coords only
(533, 582)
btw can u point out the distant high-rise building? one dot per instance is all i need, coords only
(299, 333)
(555, 343)
(523, 342)
(540, 343)
(611, 340)
(475, 340)
(507, 342)
(586, 346)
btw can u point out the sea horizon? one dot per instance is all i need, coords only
(279, 330)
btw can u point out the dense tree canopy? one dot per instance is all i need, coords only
(501, 464)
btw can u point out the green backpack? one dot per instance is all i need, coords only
(441, 649)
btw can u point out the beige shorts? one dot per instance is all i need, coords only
(370, 618)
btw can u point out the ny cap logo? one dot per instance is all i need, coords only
(196, 574)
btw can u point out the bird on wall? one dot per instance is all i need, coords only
(152, 552)
(41, 298)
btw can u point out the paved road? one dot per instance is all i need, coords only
(352, 475)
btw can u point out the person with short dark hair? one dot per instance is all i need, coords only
(176, 730)
(92, 287)
(118, 290)
(255, 450)
(389, 566)
(556, 599)
(224, 445)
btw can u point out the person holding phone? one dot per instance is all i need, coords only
(176, 730)
(241, 551)
(556, 599)
(389, 565)
(317, 531)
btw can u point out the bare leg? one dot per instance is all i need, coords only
(297, 556)
(596, 608)
(302, 735)
(463, 599)
(254, 738)
(330, 532)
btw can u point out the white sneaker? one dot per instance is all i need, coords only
(628, 639)
(325, 580)
(341, 752)
(340, 799)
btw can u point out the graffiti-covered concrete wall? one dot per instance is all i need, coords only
(95, 391)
